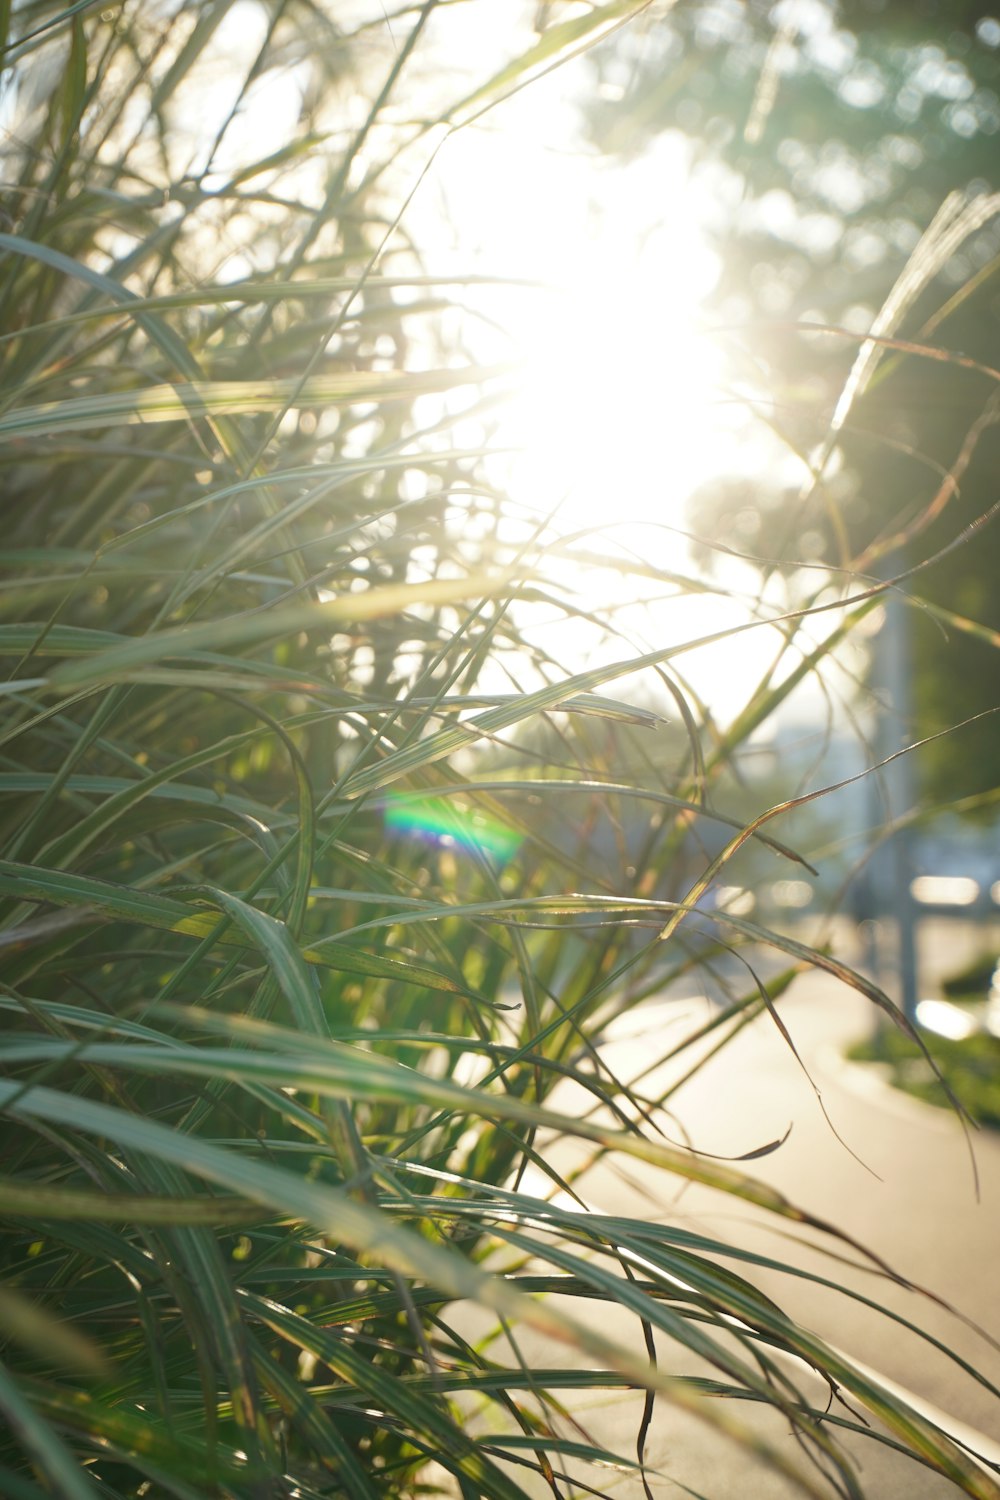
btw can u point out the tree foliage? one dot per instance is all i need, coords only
(855, 147)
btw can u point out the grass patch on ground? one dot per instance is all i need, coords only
(971, 1067)
(973, 981)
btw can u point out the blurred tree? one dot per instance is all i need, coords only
(855, 151)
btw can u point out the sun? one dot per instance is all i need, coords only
(616, 410)
(622, 405)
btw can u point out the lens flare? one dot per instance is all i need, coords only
(462, 828)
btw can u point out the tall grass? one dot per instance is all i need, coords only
(296, 988)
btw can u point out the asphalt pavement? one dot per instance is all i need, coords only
(902, 1178)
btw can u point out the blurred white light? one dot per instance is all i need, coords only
(947, 1020)
(945, 890)
(734, 899)
(795, 893)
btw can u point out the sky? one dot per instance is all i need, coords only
(624, 403)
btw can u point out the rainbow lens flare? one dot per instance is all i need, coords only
(459, 827)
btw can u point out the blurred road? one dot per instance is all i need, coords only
(908, 1193)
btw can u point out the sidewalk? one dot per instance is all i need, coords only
(920, 1213)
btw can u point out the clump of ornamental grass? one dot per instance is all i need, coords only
(304, 972)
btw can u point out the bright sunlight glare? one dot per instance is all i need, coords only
(621, 410)
(618, 413)
(590, 274)
(614, 408)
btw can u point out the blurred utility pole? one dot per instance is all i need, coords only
(894, 870)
